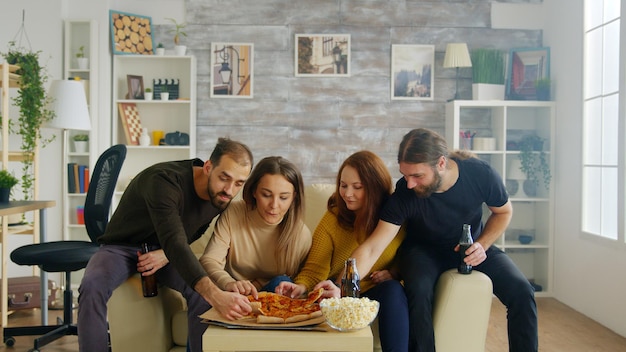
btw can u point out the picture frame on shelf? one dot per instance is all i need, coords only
(412, 76)
(135, 87)
(526, 67)
(131, 122)
(233, 70)
(131, 34)
(322, 55)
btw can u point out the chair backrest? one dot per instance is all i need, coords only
(101, 188)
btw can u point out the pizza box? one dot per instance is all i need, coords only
(213, 317)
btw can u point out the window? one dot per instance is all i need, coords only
(602, 157)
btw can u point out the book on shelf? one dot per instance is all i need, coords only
(77, 178)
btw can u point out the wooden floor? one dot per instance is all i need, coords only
(561, 329)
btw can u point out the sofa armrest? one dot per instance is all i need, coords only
(137, 323)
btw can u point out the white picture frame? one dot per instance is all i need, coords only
(322, 55)
(239, 59)
(412, 72)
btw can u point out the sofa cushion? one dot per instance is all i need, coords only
(315, 199)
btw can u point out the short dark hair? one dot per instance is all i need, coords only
(236, 150)
(422, 145)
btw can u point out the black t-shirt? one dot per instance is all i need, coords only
(438, 219)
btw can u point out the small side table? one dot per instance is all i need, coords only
(217, 339)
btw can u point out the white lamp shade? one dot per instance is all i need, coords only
(514, 171)
(457, 55)
(69, 105)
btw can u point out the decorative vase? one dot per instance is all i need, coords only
(165, 96)
(80, 146)
(530, 188)
(83, 63)
(4, 195)
(180, 50)
(484, 91)
(144, 139)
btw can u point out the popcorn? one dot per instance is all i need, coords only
(349, 313)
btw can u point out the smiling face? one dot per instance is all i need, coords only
(274, 195)
(351, 189)
(422, 178)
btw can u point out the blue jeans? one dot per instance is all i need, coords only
(420, 267)
(393, 315)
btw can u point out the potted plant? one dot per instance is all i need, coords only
(148, 94)
(7, 181)
(83, 62)
(81, 142)
(160, 49)
(165, 95)
(534, 163)
(542, 88)
(178, 31)
(487, 74)
(32, 101)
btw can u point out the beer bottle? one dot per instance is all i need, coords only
(148, 283)
(350, 283)
(464, 243)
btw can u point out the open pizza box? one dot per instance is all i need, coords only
(214, 318)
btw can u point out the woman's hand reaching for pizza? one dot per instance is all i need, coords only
(330, 289)
(149, 263)
(290, 289)
(243, 287)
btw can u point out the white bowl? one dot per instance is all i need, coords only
(349, 314)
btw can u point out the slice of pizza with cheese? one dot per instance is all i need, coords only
(272, 308)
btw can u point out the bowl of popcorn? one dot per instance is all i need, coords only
(348, 313)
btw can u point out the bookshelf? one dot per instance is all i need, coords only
(163, 117)
(79, 33)
(499, 126)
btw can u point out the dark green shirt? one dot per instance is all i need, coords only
(160, 206)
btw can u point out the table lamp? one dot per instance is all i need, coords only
(457, 55)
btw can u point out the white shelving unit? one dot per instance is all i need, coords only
(507, 122)
(168, 116)
(79, 33)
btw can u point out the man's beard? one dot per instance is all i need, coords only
(215, 199)
(426, 191)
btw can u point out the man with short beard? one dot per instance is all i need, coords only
(437, 195)
(168, 206)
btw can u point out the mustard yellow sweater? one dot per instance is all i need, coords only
(332, 245)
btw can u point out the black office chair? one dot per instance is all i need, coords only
(68, 256)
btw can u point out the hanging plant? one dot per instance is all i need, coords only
(534, 160)
(32, 101)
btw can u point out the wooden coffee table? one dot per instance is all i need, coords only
(218, 338)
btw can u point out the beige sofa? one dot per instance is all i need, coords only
(160, 324)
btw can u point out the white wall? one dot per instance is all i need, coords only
(589, 274)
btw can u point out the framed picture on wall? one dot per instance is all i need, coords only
(527, 68)
(135, 87)
(130, 34)
(412, 76)
(232, 70)
(322, 55)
